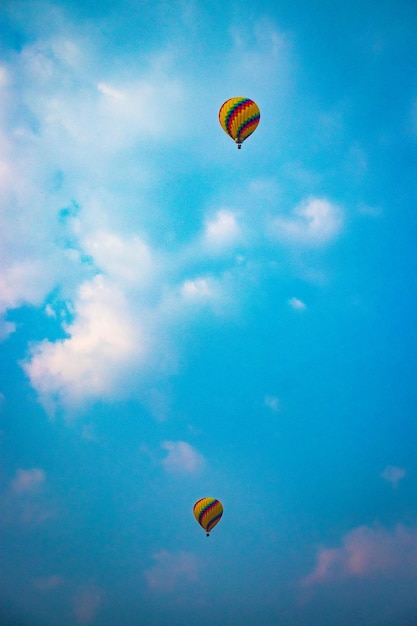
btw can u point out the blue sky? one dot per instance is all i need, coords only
(180, 319)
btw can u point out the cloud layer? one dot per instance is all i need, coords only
(88, 222)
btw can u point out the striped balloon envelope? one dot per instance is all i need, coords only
(239, 118)
(208, 512)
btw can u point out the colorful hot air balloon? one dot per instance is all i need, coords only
(239, 117)
(208, 512)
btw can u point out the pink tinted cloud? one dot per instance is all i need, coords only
(46, 584)
(367, 551)
(86, 605)
(28, 481)
(28, 501)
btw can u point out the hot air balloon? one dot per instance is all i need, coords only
(239, 117)
(208, 512)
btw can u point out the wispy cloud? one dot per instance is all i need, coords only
(272, 403)
(182, 457)
(315, 222)
(128, 260)
(297, 304)
(6, 329)
(27, 500)
(393, 474)
(87, 603)
(216, 292)
(172, 571)
(61, 135)
(28, 481)
(46, 584)
(260, 51)
(222, 231)
(197, 289)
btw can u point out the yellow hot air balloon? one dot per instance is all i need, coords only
(239, 117)
(208, 512)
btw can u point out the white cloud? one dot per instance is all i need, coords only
(393, 474)
(202, 288)
(368, 551)
(3, 77)
(6, 329)
(297, 304)
(182, 457)
(20, 283)
(172, 571)
(79, 120)
(112, 114)
(104, 341)
(121, 321)
(60, 137)
(32, 259)
(222, 231)
(314, 222)
(139, 109)
(219, 293)
(77, 187)
(126, 259)
(111, 91)
(205, 292)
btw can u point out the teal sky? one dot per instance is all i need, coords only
(180, 319)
